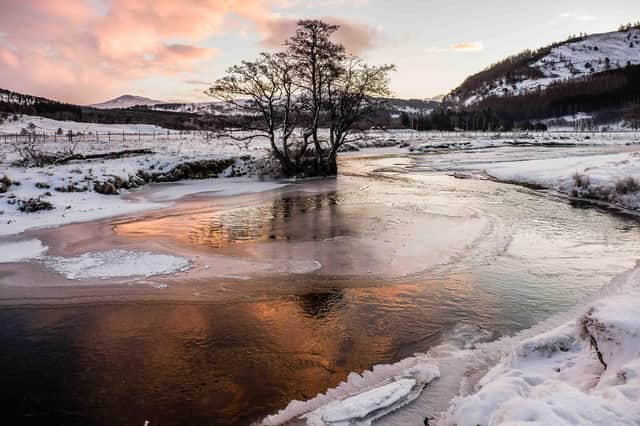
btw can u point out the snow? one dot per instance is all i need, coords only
(363, 398)
(116, 263)
(548, 375)
(127, 101)
(51, 126)
(557, 377)
(599, 175)
(86, 204)
(20, 251)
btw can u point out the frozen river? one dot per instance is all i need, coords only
(290, 290)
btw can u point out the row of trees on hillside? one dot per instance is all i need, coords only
(288, 96)
(609, 90)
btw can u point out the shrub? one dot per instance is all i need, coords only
(35, 204)
(5, 183)
(627, 185)
(581, 181)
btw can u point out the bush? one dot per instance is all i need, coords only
(5, 183)
(36, 204)
(627, 185)
(581, 181)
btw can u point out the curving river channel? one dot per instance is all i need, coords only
(290, 291)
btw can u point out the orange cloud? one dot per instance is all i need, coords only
(355, 37)
(472, 46)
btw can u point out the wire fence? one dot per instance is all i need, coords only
(79, 137)
(183, 135)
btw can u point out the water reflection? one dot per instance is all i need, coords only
(319, 305)
(249, 224)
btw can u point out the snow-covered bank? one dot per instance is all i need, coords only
(584, 372)
(613, 179)
(90, 189)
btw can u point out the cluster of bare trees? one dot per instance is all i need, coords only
(307, 100)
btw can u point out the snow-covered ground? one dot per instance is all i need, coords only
(585, 372)
(611, 178)
(42, 124)
(71, 187)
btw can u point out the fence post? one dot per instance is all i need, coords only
(123, 136)
(109, 136)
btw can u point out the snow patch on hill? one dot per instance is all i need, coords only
(569, 61)
(126, 101)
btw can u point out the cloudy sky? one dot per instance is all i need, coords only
(86, 51)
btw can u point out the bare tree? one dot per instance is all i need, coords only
(632, 117)
(358, 92)
(318, 62)
(262, 91)
(287, 97)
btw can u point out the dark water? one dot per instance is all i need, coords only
(483, 259)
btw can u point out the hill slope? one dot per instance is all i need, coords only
(126, 101)
(561, 63)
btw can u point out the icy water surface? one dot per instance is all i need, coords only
(292, 290)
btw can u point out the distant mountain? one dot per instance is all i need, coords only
(127, 101)
(412, 106)
(530, 71)
(438, 98)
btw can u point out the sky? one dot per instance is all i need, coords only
(87, 51)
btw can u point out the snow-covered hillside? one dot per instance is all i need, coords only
(216, 107)
(127, 101)
(574, 59)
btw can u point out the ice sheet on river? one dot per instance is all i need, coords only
(363, 398)
(117, 263)
(19, 251)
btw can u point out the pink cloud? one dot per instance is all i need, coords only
(77, 51)
(69, 50)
